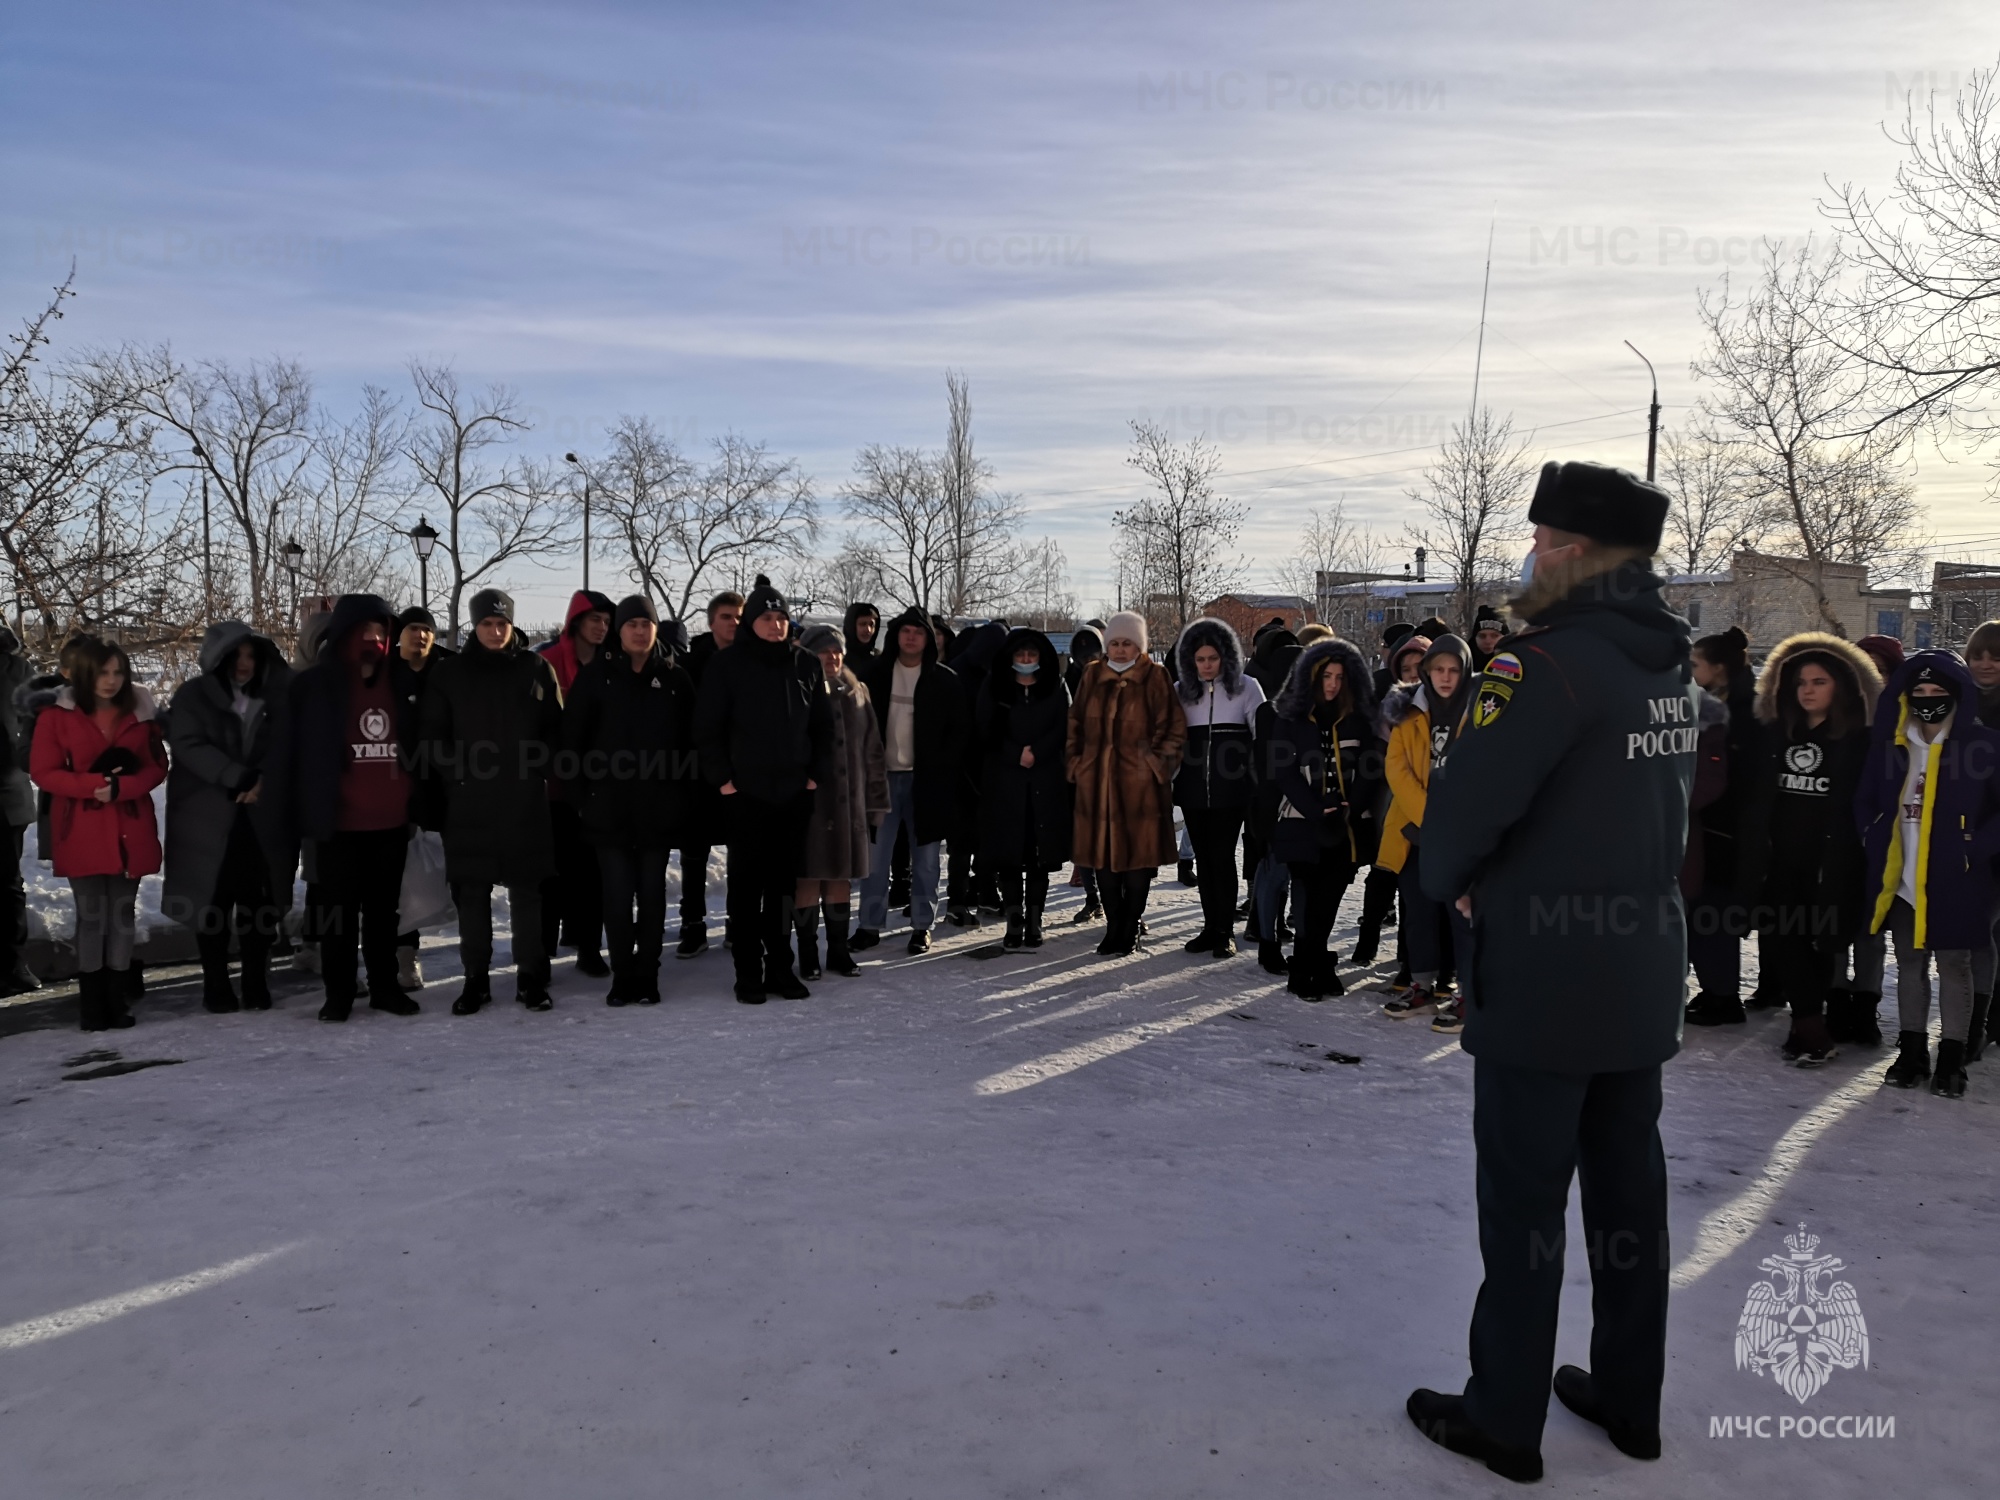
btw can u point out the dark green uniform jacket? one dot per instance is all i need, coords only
(1563, 810)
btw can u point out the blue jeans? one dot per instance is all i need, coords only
(924, 861)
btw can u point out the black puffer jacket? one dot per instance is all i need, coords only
(762, 721)
(629, 743)
(940, 734)
(1328, 775)
(491, 724)
(1018, 713)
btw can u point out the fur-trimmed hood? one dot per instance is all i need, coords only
(1844, 655)
(1208, 632)
(143, 705)
(1398, 704)
(1295, 701)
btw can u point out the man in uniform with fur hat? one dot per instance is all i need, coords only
(1558, 827)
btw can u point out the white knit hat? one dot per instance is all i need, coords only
(1126, 625)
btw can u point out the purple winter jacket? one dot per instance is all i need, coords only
(1954, 890)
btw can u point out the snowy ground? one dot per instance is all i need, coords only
(968, 1226)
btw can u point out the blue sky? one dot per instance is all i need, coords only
(1262, 221)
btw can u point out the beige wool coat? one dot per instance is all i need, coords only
(1126, 734)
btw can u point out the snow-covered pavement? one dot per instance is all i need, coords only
(976, 1226)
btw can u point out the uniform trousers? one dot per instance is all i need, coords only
(766, 853)
(1533, 1130)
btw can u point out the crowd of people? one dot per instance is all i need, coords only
(1843, 798)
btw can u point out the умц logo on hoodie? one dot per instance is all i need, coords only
(1802, 770)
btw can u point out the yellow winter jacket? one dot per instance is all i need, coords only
(1409, 773)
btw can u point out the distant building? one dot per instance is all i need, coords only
(1772, 597)
(1963, 597)
(1360, 606)
(1246, 614)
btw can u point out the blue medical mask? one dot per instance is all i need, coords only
(1027, 668)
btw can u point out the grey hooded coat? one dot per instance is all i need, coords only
(217, 754)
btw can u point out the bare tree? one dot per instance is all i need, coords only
(493, 513)
(980, 524)
(688, 526)
(1832, 480)
(898, 492)
(1175, 544)
(1042, 596)
(76, 470)
(1926, 257)
(1470, 504)
(1717, 510)
(852, 573)
(248, 428)
(348, 499)
(1327, 541)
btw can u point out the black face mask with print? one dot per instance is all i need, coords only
(1931, 710)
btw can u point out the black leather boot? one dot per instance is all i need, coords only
(806, 925)
(839, 958)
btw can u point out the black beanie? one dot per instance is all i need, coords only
(416, 614)
(489, 602)
(633, 607)
(1396, 634)
(1606, 504)
(1488, 618)
(764, 597)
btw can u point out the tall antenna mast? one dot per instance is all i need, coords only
(1479, 355)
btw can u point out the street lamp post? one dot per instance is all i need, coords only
(294, 557)
(424, 537)
(207, 552)
(572, 458)
(1652, 416)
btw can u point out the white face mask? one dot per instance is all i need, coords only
(1527, 570)
(1120, 666)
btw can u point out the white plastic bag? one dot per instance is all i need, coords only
(426, 899)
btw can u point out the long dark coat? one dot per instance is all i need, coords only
(628, 737)
(855, 796)
(761, 720)
(490, 726)
(213, 763)
(304, 765)
(1126, 731)
(1013, 718)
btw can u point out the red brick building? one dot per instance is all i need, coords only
(1248, 613)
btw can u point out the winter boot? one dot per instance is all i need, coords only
(337, 1011)
(1308, 976)
(1975, 1038)
(1950, 1080)
(865, 938)
(1715, 1010)
(590, 962)
(1031, 916)
(1185, 870)
(1913, 1061)
(620, 992)
(390, 999)
(1202, 942)
(476, 994)
(217, 995)
(1838, 1009)
(409, 974)
(119, 986)
(256, 982)
(646, 981)
(839, 959)
(806, 925)
(1271, 958)
(779, 980)
(89, 1001)
(1864, 1029)
(1016, 937)
(1809, 1044)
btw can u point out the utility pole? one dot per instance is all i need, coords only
(207, 546)
(572, 458)
(1652, 415)
(1479, 351)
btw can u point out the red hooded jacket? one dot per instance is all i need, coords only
(119, 837)
(561, 652)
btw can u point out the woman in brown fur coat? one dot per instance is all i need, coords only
(1126, 731)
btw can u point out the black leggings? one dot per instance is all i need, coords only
(634, 875)
(766, 853)
(360, 882)
(1213, 831)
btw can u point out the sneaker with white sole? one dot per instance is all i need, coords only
(1421, 1001)
(1450, 1017)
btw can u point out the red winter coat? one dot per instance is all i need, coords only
(88, 837)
